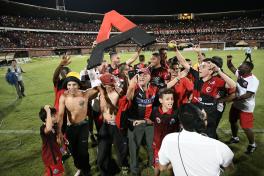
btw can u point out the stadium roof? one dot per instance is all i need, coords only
(151, 7)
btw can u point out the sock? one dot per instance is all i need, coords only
(253, 145)
(236, 138)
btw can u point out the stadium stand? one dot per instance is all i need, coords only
(73, 30)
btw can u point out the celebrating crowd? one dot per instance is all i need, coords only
(170, 106)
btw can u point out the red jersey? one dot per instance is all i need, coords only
(139, 66)
(123, 105)
(49, 144)
(164, 123)
(207, 92)
(183, 89)
(159, 72)
(142, 103)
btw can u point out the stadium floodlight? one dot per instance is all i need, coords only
(60, 5)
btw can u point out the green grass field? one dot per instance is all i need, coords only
(20, 153)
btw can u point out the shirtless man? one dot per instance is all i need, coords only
(109, 132)
(76, 102)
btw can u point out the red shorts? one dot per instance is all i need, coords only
(156, 157)
(246, 118)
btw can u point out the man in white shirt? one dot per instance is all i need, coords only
(248, 54)
(17, 70)
(190, 153)
(244, 103)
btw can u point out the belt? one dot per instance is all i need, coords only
(80, 123)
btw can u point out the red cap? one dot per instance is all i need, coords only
(107, 79)
(144, 70)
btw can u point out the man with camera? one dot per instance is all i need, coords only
(191, 153)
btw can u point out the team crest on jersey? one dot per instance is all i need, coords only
(158, 119)
(208, 89)
(212, 82)
(245, 83)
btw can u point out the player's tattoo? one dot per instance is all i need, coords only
(81, 103)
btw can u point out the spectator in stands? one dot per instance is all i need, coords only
(244, 102)
(191, 153)
(17, 70)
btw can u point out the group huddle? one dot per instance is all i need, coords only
(170, 106)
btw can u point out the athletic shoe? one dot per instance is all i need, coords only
(250, 149)
(124, 171)
(233, 140)
(77, 173)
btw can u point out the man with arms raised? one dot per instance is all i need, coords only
(76, 101)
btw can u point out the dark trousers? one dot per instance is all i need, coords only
(78, 139)
(20, 88)
(135, 138)
(248, 56)
(109, 134)
(93, 119)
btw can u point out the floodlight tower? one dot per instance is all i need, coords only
(60, 5)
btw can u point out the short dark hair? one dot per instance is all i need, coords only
(203, 54)
(218, 61)
(162, 49)
(208, 60)
(157, 55)
(43, 113)
(191, 117)
(165, 91)
(188, 60)
(173, 60)
(112, 53)
(249, 64)
(141, 58)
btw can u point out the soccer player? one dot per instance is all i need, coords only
(244, 102)
(207, 87)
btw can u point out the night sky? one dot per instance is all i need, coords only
(156, 7)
